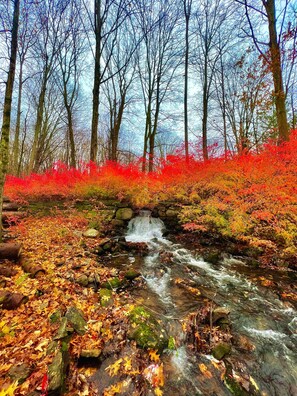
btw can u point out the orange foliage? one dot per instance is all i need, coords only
(242, 196)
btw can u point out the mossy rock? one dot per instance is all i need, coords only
(124, 214)
(220, 350)
(76, 319)
(146, 330)
(91, 233)
(105, 297)
(83, 280)
(19, 373)
(212, 256)
(132, 274)
(112, 283)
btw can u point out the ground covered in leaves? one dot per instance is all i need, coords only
(41, 330)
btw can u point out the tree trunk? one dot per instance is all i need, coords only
(276, 68)
(4, 143)
(39, 119)
(205, 116)
(96, 86)
(16, 143)
(71, 137)
(186, 126)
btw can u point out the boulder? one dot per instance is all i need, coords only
(83, 280)
(124, 214)
(105, 297)
(146, 331)
(112, 283)
(220, 350)
(90, 353)
(19, 373)
(91, 233)
(131, 274)
(76, 319)
(57, 373)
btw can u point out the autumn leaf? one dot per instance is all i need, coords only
(158, 392)
(154, 355)
(114, 368)
(204, 370)
(10, 390)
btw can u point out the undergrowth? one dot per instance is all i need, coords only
(251, 197)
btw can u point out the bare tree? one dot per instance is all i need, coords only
(5, 130)
(157, 64)
(187, 6)
(109, 15)
(267, 10)
(72, 49)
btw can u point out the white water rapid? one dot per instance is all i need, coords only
(256, 313)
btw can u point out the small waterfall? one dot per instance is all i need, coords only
(256, 312)
(145, 228)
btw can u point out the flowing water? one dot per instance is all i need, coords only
(255, 312)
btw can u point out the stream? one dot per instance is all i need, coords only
(256, 313)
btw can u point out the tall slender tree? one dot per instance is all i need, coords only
(5, 130)
(267, 10)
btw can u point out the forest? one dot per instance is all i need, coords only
(148, 175)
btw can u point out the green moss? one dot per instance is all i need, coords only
(146, 330)
(105, 297)
(112, 283)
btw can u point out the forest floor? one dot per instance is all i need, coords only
(73, 276)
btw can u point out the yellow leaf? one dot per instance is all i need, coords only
(158, 392)
(204, 370)
(253, 382)
(127, 364)
(153, 355)
(10, 390)
(114, 368)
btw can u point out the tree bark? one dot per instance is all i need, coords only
(97, 78)
(276, 68)
(4, 143)
(10, 251)
(187, 12)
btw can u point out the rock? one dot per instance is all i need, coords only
(55, 317)
(75, 317)
(83, 280)
(90, 353)
(112, 283)
(117, 223)
(63, 330)
(105, 297)
(124, 214)
(212, 256)
(221, 350)
(19, 373)
(131, 274)
(244, 343)
(57, 373)
(146, 330)
(220, 313)
(91, 233)
(172, 213)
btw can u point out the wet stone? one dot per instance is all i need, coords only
(146, 330)
(75, 317)
(83, 280)
(19, 373)
(105, 297)
(220, 350)
(124, 214)
(91, 233)
(132, 274)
